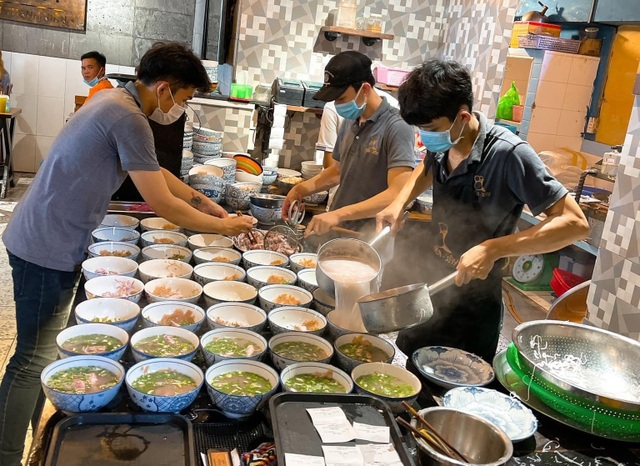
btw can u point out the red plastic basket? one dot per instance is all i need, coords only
(562, 281)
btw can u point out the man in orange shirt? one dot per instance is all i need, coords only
(93, 69)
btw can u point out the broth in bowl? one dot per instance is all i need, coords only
(164, 346)
(165, 382)
(241, 383)
(91, 344)
(82, 380)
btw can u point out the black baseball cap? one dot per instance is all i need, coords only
(344, 69)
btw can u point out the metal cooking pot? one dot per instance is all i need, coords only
(536, 16)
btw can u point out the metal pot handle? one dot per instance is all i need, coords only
(386, 230)
(442, 283)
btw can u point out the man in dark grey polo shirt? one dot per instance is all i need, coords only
(373, 152)
(482, 177)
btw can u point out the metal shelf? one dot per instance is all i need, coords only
(331, 33)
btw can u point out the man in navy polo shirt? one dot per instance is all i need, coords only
(482, 176)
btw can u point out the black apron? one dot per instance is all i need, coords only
(467, 317)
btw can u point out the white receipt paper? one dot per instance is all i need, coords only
(294, 459)
(377, 454)
(342, 456)
(332, 424)
(371, 433)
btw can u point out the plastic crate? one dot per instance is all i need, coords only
(562, 281)
(555, 44)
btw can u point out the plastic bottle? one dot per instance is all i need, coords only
(610, 161)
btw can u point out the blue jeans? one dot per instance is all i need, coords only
(43, 301)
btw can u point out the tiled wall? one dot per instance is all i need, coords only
(273, 40)
(614, 295)
(559, 94)
(44, 88)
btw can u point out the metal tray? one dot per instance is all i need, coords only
(294, 432)
(129, 207)
(110, 439)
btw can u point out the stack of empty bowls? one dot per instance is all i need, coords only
(207, 144)
(187, 139)
(187, 164)
(228, 167)
(208, 180)
(310, 169)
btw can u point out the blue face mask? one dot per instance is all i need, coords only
(91, 83)
(350, 110)
(439, 141)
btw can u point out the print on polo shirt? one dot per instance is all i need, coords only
(372, 147)
(478, 186)
(441, 249)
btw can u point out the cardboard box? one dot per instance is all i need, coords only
(522, 28)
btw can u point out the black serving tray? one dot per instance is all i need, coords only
(294, 432)
(110, 439)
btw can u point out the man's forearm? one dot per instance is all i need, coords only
(325, 180)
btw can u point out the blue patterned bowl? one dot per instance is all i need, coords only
(259, 276)
(238, 194)
(121, 234)
(166, 251)
(153, 313)
(508, 413)
(108, 265)
(113, 286)
(316, 368)
(208, 272)
(158, 223)
(173, 238)
(114, 248)
(266, 215)
(270, 294)
(216, 254)
(93, 329)
(395, 403)
(347, 363)
(119, 220)
(239, 406)
(139, 355)
(237, 315)
(78, 403)
(258, 342)
(269, 175)
(452, 367)
(113, 311)
(163, 404)
(280, 361)
(296, 319)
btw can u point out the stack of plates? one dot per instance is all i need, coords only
(207, 144)
(187, 164)
(187, 139)
(310, 169)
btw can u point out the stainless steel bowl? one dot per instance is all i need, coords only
(474, 437)
(345, 248)
(269, 201)
(595, 364)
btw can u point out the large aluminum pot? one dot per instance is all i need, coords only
(345, 248)
(476, 438)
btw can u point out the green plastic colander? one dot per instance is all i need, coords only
(579, 409)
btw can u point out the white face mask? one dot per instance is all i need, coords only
(170, 117)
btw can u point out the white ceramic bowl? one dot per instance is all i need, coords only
(318, 369)
(119, 220)
(239, 406)
(172, 238)
(296, 319)
(114, 249)
(322, 302)
(113, 311)
(169, 333)
(259, 276)
(181, 289)
(215, 254)
(208, 272)
(307, 280)
(286, 172)
(244, 177)
(281, 361)
(395, 403)
(256, 257)
(158, 223)
(203, 240)
(77, 403)
(268, 296)
(166, 251)
(108, 265)
(348, 363)
(229, 292)
(113, 286)
(164, 268)
(120, 234)
(93, 329)
(163, 404)
(153, 313)
(236, 315)
(258, 344)
(303, 260)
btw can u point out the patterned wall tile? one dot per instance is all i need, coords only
(236, 124)
(602, 295)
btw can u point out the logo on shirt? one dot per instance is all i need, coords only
(372, 147)
(478, 186)
(441, 249)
